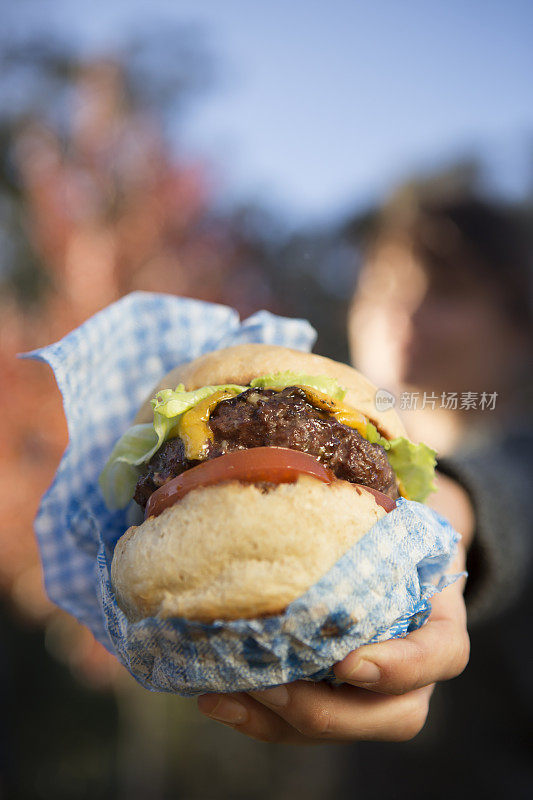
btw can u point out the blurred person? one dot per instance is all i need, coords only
(443, 306)
(443, 312)
(449, 280)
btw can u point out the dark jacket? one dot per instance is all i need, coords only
(478, 741)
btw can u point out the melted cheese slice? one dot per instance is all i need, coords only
(342, 413)
(193, 426)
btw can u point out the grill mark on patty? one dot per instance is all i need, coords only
(269, 418)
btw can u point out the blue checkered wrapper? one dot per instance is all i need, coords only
(379, 589)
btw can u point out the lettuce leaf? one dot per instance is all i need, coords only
(169, 405)
(121, 472)
(375, 437)
(414, 464)
(137, 446)
(174, 402)
(280, 380)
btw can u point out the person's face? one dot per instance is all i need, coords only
(439, 330)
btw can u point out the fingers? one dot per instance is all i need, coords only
(321, 712)
(401, 674)
(246, 715)
(437, 651)
(314, 713)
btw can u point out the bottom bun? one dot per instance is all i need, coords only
(238, 550)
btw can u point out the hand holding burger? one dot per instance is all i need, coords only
(385, 692)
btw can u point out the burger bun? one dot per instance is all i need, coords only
(236, 550)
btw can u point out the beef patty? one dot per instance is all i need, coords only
(268, 418)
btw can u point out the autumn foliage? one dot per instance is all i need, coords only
(105, 210)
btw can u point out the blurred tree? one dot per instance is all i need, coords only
(93, 204)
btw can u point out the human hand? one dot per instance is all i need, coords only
(386, 690)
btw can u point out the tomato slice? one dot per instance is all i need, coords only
(381, 499)
(269, 464)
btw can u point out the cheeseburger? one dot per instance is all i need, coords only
(257, 467)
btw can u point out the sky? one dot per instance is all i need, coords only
(322, 105)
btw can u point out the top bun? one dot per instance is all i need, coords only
(244, 362)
